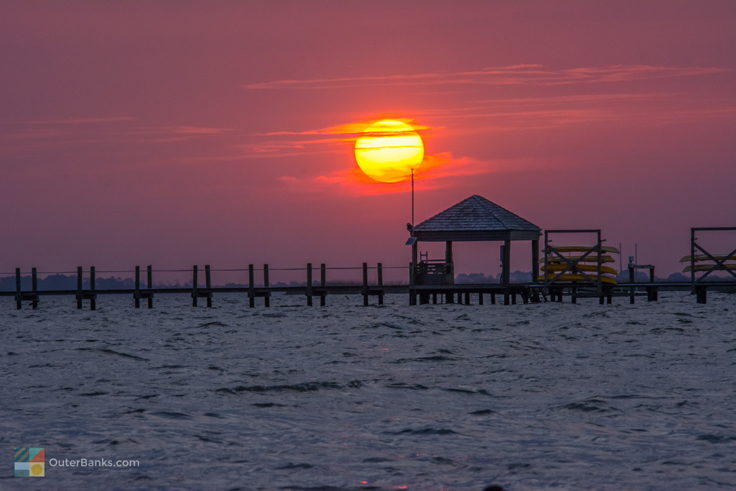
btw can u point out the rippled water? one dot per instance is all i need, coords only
(428, 397)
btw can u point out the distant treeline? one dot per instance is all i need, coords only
(69, 282)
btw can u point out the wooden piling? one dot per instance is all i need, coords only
(195, 274)
(137, 288)
(79, 287)
(208, 284)
(480, 298)
(309, 284)
(379, 273)
(18, 290)
(92, 287)
(323, 284)
(632, 290)
(251, 287)
(149, 285)
(652, 293)
(365, 284)
(34, 288)
(701, 292)
(266, 285)
(506, 273)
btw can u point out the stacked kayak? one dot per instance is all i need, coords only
(708, 263)
(578, 266)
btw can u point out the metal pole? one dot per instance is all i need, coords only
(412, 201)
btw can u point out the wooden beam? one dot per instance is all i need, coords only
(309, 284)
(535, 260)
(149, 285)
(379, 274)
(79, 287)
(365, 284)
(266, 285)
(251, 287)
(18, 290)
(195, 274)
(137, 288)
(506, 274)
(34, 288)
(208, 284)
(92, 287)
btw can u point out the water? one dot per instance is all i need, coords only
(347, 397)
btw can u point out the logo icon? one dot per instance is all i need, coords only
(30, 462)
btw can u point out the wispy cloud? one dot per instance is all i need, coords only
(513, 114)
(78, 121)
(505, 75)
(436, 171)
(37, 134)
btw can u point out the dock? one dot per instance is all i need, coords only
(87, 294)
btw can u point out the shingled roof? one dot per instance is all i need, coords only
(476, 218)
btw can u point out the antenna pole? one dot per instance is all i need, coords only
(412, 201)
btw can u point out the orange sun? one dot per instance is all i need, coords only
(388, 150)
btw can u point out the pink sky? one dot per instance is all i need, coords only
(175, 133)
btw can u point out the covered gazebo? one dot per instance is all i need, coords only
(473, 219)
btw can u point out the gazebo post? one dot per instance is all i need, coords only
(448, 255)
(450, 268)
(535, 260)
(413, 272)
(506, 273)
(535, 267)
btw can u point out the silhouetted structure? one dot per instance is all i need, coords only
(473, 219)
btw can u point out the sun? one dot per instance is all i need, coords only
(388, 150)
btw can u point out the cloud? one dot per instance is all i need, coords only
(20, 136)
(347, 130)
(435, 172)
(77, 121)
(504, 75)
(191, 130)
(288, 143)
(513, 114)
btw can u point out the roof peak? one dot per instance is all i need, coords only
(476, 213)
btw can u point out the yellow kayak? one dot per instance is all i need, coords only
(574, 278)
(590, 258)
(610, 249)
(582, 267)
(703, 257)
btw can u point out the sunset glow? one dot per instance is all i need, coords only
(388, 150)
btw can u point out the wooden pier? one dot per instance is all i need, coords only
(421, 288)
(86, 292)
(252, 290)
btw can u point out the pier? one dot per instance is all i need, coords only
(572, 271)
(259, 293)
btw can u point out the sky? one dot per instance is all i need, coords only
(175, 133)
